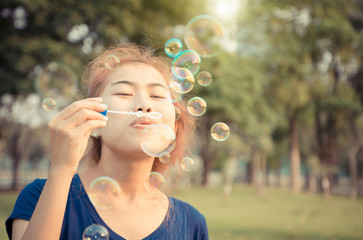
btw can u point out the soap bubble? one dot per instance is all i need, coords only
(155, 181)
(95, 232)
(184, 84)
(187, 164)
(57, 81)
(158, 140)
(204, 35)
(103, 192)
(186, 59)
(165, 159)
(197, 106)
(173, 47)
(49, 104)
(112, 62)
(177, 113)
(204, 78)
(220, 131)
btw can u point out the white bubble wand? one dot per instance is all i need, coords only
(153, 115)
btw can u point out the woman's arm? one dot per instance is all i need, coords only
(69, 134)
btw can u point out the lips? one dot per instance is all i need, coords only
(142, 122)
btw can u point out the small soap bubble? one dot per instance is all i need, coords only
(187, 164)
(197, 106)
(49, 104)
(58, 81)
(112, 62)
(177, 113)
(204, 78)
(103, 192)
(173, 47)
(184, 84)
(95, 232)
(165, 159)
(158, 140)
(220, 131)
(204, 35)
(155, 181)
(186, 59)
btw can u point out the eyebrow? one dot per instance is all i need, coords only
(133, 84)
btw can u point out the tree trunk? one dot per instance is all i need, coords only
(294, 155)
(207, 165)
(352, 154)
(208, 154)
(15, 175)
(353, 157)
(229, 175)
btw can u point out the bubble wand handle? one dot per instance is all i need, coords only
(153, 115)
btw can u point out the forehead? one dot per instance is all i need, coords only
(138, 73)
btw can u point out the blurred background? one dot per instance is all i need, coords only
(288, 81)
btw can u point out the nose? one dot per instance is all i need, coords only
(143, 105)
(142, 109)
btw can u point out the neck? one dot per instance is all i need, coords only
(130, 171)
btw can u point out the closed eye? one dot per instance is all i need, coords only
(155, 96)
(123, 94)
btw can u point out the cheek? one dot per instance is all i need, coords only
(168, 112)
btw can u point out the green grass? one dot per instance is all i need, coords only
(7, 201)
(274, 214)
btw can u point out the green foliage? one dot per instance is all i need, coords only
(43, 35)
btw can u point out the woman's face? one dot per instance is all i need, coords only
(134, 87)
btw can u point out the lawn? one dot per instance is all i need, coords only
(273, 214)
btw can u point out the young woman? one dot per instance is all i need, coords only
(60, 208)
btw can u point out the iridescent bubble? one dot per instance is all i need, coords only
(158, 140)
(103, 192)
(186, 59)
(112, 62)
(173, 47)
(49, 104)
(155, 181)
(220, 131)
(197, 106)
(165, 159)
(204, 35)
(187, 164)
(95, 232)
(58, 81)
(204, 78)
(182, 85)
(177, 113)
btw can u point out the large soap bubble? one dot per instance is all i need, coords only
(186, 59)
(103, 192)
(204, 35)
(183, 81)
(158, 140)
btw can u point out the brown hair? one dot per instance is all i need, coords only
(93, 82)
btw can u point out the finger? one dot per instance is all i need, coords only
(89, 103)
(81, 116)
(89, 125)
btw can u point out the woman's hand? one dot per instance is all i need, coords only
(70, 130)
